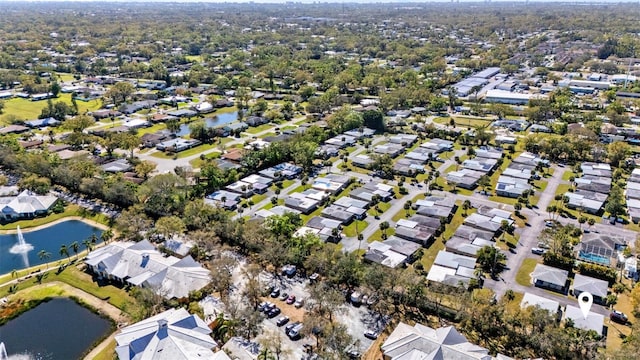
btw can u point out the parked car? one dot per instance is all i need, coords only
(274, 312)
(283, 296)
(282, 320)
(275, 292)
(314, 277)
(291, 326)
(289, 270)
(291, 299)
(370, 334)
(268, 307)
(548, 223)
(299, 303)
(261, 306)
(294, 333)
(618, 317)
(538, 251)
(356, 298)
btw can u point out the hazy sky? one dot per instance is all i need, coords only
(321, 1)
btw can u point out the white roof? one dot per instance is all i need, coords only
(593, 321)
(173, 335)
(26, 203)
(142, 264)
(530, 299)
(420, 342)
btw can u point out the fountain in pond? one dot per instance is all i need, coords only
(21, 248)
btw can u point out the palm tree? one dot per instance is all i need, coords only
(44, 255)
(106, 235)
(87, 244)
(75, 247)
(64, 251)
(383, 227)
(93, 239)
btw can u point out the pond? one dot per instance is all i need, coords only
(57, 329)
(48, 239)
(213, 121)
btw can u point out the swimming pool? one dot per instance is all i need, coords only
(594, 258)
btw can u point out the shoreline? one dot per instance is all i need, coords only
(94, 223)
(67, 291)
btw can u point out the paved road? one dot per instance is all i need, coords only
(528, 235)
(267, 200)
(168, 165)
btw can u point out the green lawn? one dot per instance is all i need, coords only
(265, 135)
(258, 197)
(70, 210)
(190, 152)
(464, 121)
(257, 129)
(81, 280)
(523, 277)
(350, 231)
(152, 129)
(568, 174)
(383, 206)
(197, 162)
(378, 234)
(25, 109)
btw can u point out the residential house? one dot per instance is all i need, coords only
(347, 202)
(530, 159)
(115, 166)
(599, 184)
(41, 123)
(464, 178)
(405, 140)
(393, 150)
(360, 133)
(436, 206)
(141, 264)
(482, 222)
(338, 213)
(468, 240)
(596, 287)
(177, 144)
(438, 145)
(171, 335)
(488, 153)
(549, 277)
(530, 299)
(587, 201)
(599, 249)
(225, 199)
(408, 167)
(301, 203)
(332, 183)
(596, 169)
(480, 164)
(452, 269)
(283, 170)
(392, 252)
(511, 187)
(361, 160)
(418, 230)
(341, 141)
(421, 342)
(25, 205)
(328, 229)
(593, 321)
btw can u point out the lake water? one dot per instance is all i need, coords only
(214, 121)
(49, 239)
(57, 329)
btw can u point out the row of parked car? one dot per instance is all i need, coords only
(289, 299)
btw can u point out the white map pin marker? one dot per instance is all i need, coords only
(585, 300)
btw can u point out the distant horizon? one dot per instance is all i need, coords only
(594, 2)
